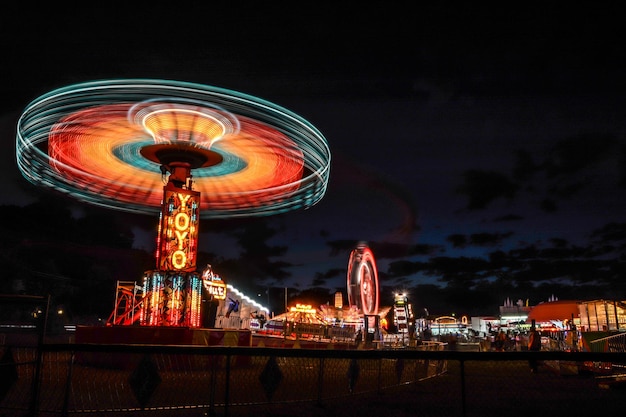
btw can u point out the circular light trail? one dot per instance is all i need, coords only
(362, 280)
(105, 142)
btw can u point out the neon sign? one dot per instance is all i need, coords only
(177, 244)
(303, 308)
(213, 284)
(216, 288)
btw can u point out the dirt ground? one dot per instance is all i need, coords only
(492, 389)
(476, 388)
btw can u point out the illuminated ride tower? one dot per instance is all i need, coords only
(158, 146)
(173, 291)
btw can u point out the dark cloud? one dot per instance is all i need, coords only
(508, 218)
(321, 279)
(483, 187)
(405, 268)
(478, 239)
(572, 155)
(457, 240)
(610, 232)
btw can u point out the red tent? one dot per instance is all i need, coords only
(554, 310)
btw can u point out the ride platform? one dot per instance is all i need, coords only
(155, 335)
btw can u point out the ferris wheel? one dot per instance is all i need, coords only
(362, 279)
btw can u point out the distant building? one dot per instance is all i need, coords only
(512, 314)
(588, 316)
(602, 315)
(483, 325)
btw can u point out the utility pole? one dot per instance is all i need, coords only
(286, 300)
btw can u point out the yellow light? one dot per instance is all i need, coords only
(303, 308)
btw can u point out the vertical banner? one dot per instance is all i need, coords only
(177, 242)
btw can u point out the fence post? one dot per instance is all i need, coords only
(380, 375)
(227, 384)
(213, 363)
(42, 322)
(68, 386)
(463, 410)
(320, 382)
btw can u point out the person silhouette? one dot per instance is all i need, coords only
(534, 345)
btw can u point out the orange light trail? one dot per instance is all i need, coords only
(85, 140)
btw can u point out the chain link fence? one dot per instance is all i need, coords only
(115, 380)
(68, 379)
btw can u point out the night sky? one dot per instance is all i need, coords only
(470, 145)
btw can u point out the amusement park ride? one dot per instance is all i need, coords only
(187, 152)
(114, 143)
(363, 288)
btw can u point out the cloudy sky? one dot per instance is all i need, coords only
(468, 143)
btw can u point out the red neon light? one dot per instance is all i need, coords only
(177, 243)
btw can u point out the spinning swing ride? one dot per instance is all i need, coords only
(156, 146)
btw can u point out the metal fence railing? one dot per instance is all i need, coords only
(151, 380)
(612, 343)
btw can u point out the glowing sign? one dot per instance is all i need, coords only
(213, 284)
(216, 288)
(177, 244)
(303, 308)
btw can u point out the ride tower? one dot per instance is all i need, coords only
(173, 291)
